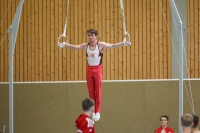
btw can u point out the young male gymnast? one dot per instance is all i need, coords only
(187, 123)
(196, 123)
(164, 128)
(94, 53)
(84, 123)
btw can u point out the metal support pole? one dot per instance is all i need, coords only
(11, 116)
(179, 35)
(181, 43)
(13, 36)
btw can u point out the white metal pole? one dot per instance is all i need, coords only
(13, 36)
(11, 117)
(181, 76)
(179, 35)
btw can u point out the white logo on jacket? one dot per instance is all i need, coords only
(90, 122)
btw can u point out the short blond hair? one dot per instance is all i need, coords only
(187, 120)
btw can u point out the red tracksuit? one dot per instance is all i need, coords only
(94, 75)
(167, 130)
(85, 124)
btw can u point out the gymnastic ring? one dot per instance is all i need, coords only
(125, 37)
(60, 44)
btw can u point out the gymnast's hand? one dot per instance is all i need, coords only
(127, 43)
(61, 45)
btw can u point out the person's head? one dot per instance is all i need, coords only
(196, 121)
(187, 120)
(164, 120)
(92, 34)
(88, 106)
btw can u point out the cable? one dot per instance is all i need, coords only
(5, 107)
(192, 102)
(169, 34)
(6, 12)
(4, 38)
(192, 42)
(6, 112)
(189, 98)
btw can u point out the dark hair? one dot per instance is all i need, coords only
(87, 104)
(92, 31)
(165, 116)
(196, 121)
(187, 120)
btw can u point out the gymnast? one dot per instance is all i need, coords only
(94, 53)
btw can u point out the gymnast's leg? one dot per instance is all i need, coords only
(98, 91)
(90, 84)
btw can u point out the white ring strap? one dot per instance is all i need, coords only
(124, 24)
(65, 29)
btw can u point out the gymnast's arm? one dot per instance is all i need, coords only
(108, 45)
(80, 46)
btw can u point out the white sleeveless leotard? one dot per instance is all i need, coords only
(94, 57)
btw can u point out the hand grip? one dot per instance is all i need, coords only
(61, 44)
(125, 37)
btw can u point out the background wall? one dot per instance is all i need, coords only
(126, 106)
(45, 107)
(193, 38)
(37, 57)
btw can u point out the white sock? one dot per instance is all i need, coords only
(97, 116)
(93, 116)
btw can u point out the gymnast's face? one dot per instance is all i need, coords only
(164, 121)
(92, 37)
